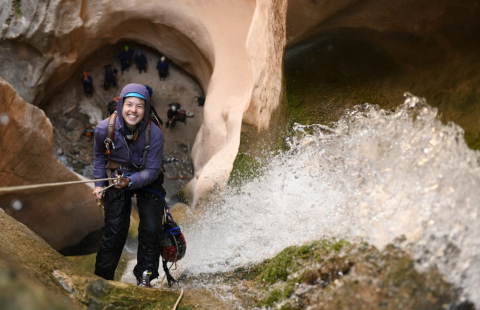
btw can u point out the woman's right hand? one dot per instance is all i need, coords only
(98, 192)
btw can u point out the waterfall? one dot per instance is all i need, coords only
(375, 175)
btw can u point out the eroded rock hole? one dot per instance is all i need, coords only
(71, 111)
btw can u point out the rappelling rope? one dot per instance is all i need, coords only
(161, 282)
(32, 186)
(178, 300)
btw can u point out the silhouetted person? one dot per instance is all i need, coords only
(110, 77)
(172, 115)
(200, 100)
(87, 83)
(141, 61)
(162, 67)
(125, 57)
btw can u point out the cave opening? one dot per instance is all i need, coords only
(70, 110)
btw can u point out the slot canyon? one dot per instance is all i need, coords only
(264, 66)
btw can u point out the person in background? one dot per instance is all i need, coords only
(87, 83)
(125, 57)
(172, 115)
(110, 77)
(141, 61)
(89, 131)
(140, 169)
(162, 67)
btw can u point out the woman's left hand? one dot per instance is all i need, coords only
(122, 183)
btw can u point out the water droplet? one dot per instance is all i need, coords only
(17, 205)
(4, 119)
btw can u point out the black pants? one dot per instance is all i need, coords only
(118, 206)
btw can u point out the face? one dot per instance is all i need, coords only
(133, 110)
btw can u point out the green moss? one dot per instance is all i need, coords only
(17, 8)
(182, 197)
(101, 294)
(86, 262)
(296, 109)
(245, 169)
(380, 279)
(289, 260)
(273, 297)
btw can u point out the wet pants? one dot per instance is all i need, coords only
(118, 204)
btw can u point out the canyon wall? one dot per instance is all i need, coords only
(233, 48)
(60, 215)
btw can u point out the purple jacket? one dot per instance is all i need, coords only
(134, 153)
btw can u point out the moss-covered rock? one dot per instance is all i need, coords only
(31, 272)
(334, 274)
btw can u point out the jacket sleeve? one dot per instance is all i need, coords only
(153, 163)
(99, 160)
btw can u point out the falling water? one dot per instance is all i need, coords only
(375, 175)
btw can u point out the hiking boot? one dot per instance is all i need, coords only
(144, 280)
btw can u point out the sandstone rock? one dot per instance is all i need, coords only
(61, 215)
(92, 111)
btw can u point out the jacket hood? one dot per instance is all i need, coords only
(133, 88)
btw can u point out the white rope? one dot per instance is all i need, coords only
(178, 300)
(23, 187)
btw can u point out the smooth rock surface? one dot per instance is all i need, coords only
(61, 215)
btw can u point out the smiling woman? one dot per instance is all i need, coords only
(133, 110)
(141, 176)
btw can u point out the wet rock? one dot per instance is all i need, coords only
(336, 275)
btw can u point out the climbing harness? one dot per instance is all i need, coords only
(109, 145)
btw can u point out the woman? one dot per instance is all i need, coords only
(135, 152)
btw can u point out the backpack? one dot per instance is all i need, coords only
(172, 241)
(182, 116)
